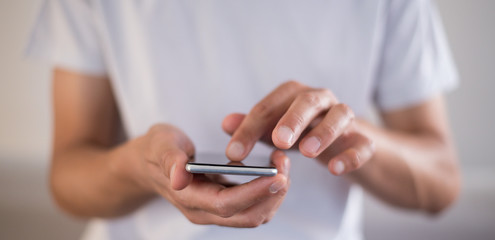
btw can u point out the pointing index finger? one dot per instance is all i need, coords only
(261, 119)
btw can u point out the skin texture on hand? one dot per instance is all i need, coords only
(312, 120)
(94, 176)
(200, 199)
(410, 163)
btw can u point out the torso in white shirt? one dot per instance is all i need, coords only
(190, 63)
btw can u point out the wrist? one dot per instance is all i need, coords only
(126, 163)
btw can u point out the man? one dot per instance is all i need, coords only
(172, 72)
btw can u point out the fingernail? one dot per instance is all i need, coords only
(285, 134)
(236, 149)
(275, 187)
(172, 172)
(311, 145)
(338, 167)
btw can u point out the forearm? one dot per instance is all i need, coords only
(90, 181)
(411, 170)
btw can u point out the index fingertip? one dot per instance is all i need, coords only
(235, 151)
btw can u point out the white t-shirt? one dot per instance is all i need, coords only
(191, 62)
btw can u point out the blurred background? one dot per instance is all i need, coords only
(27, 211)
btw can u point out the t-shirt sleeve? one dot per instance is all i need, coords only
(65, 35)
(416, 63)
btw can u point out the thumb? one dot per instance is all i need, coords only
(175, 168)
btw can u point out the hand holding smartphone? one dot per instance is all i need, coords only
(216, 163)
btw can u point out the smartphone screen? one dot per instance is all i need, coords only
(218, 163)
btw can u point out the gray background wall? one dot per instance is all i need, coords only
(26, 211)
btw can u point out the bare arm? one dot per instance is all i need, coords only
(92, 176)
(84, 151)
(414, 165)
(410, 162)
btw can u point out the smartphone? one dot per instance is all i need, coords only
(218, 163)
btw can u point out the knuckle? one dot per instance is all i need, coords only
(157, 128)
(161, 138)
(292, 84)
(354, 159)
(246, 134)
(149, 155)
(161, 133)
(197, 221)
(284, 190)
(328, 129)
(194, 219)
(313, 99)
(368, 149)
(221, 209)
(225, 213)
(168, 157)
(171, 154)
(255, 221)
(158, 136)
(184, 202)
(368, 141)
(310, 97)
(262, 110)
(296, 120)
(371, 144)
(326, 92)
(345, 110)
(269, 217)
